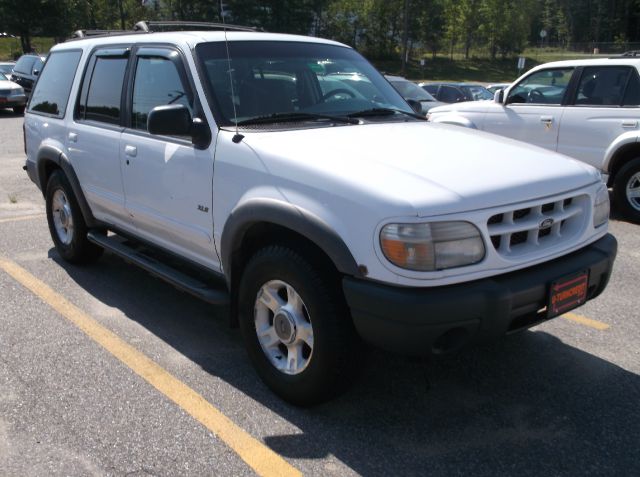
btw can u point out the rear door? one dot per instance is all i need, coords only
(605, 105)
(93, 138)
(167, 181)
(533, 108)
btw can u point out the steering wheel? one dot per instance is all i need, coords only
(535, 96)
(333, 92)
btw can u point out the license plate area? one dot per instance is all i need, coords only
(567, 293)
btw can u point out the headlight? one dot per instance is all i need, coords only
(17, 92)
(432, 246)
(601, 207)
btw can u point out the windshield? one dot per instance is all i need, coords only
(478, 92)
(410, 90)
(276, 78)
(3, 77)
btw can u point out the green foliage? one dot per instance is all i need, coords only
(381, 29)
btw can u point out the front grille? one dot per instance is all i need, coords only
(520, 231)
(5, 92)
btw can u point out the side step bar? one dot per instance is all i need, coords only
(118, 246)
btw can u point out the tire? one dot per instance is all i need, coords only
(324, 342)
(626, 183)
(18, 109)
(66, 224)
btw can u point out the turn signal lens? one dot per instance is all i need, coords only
(432, 246)
(601, 207)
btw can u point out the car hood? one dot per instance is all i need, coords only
(9, 85)
(465, 106)
(423, 168)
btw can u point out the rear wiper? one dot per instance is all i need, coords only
(292, 117)
(384, 112)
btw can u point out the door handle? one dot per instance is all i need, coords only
(629, 124)
(131, 151)
(546, 119)
(73, 137)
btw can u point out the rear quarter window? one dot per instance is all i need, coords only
(52, 90)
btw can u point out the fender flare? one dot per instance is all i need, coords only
(50, 154)
(290, 217)
(620, 145)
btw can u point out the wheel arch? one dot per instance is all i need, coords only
(50, 159)
(624, 154)
(275, 219)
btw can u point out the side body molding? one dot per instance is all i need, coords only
(49, 154)
(288, 216)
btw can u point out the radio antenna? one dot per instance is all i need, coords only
(237, 137)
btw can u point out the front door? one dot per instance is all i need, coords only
(167, 181)
(533, 109)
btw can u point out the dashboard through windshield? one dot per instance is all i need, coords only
(276, 78)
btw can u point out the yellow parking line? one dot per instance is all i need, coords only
(598, 325)
(21, 218)
(258, 456)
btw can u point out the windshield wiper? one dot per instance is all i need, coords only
(384, 112)
(292, 117)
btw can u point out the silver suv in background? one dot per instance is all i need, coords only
(586, 109)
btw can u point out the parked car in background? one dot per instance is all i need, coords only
(413, 94)
(586, 109)
(497, 86)
(26, 71)
(457, 92)
(11, 95)
(6, 67)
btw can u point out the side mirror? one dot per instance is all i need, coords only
(36, 72)
(498, 96)
(169, 120)
(415, 105)
(175, 120)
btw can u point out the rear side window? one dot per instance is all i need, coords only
(602, 85)
(51, 93)
(102, 89)
(25, 64)
(632, 95)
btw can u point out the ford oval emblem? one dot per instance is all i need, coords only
(546, 223)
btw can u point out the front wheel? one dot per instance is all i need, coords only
(296, 326)
(626, 190)
(18, 110)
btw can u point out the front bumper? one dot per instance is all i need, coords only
(12, 101)
(421, 321)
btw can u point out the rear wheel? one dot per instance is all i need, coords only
(296, 326)
(66, 224)
(626, 190)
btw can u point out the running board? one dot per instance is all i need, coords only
(118, 246)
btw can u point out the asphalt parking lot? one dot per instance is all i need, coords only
(105, 370)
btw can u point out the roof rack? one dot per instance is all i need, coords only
(80, 34)
(155, 26)
(161, 26)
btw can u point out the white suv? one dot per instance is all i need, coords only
(586, 109)
(283, 175)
